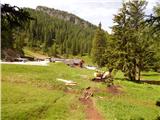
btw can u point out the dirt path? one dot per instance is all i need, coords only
(115, 90)
(90, 110)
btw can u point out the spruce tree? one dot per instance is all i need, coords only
(131, 49)
(98, 47)
(12, 17)
(53, 50)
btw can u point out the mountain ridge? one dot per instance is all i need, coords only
(64, 15)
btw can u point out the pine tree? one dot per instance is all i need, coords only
(12, 17)
(131, 49)
(98, 47)
(53, 50)
(156, 36)
(47, 30)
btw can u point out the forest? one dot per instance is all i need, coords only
(52, 35)
(133, 46)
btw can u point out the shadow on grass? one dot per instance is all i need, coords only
(154, 74)
(123, 79)
(153, 82)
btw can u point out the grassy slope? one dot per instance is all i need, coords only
(136, 102)
(150, 76)
(32, 92)
(31, 53)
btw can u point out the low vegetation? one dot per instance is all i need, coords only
(36, 92)
(33, 92)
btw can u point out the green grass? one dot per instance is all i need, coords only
(31, 53)
(150, 76)
(48, 74)
(23, 102)
(135, 103)
(33, 92)
(30, 92)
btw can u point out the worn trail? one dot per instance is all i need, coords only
(90, 110)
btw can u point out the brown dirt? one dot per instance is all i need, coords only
(90, 110)
(116, 90)
(72, 91)
(10, 54)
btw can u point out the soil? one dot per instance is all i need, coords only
(116, 90)
(71, 91)
(90, 110)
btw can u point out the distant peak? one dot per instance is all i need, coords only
(65, 16)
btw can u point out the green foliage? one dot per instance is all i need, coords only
(53, 50)
(48, 30)
(45, 31)
(98, 47)
(131, 47)
(13, 20)
(13, 16)
(154, 20)
(156, 37)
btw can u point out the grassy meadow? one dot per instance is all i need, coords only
(34, 93)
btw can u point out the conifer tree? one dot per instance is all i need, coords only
(53, 50)
(131, 49)
(98, 47)
(12, 17)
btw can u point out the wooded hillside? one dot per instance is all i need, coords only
(54, 33)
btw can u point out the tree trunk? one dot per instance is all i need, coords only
(139, 75)
(132, 75)
(110, 71)
(138, 72)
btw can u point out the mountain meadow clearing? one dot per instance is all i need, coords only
(34, 93)
(103, 64)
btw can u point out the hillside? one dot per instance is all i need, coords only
(58, 32)
(52, 32)
(65, 16)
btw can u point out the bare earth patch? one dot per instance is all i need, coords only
(90, 110)
(115, 89)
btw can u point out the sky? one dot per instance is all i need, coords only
(94, 11)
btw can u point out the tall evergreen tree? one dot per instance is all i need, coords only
(131, 49)
(98, 47)
(53, 50)
(47, 30)
(156, 36)
(12, 17)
